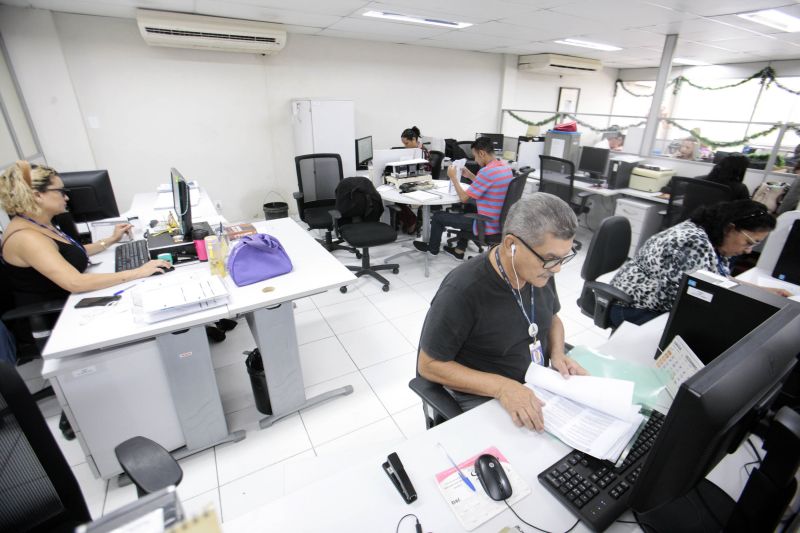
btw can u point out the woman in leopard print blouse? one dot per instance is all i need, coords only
(706, 241)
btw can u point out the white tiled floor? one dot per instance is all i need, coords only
(365, 338)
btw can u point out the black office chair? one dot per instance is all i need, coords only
(356, 220)
(37, 487)
(687, 194)
(607, 252)
(467, 147)
(318, 175)
(557, 177)
(437, 158)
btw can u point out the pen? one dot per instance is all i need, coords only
(464, 478)
(124, 289)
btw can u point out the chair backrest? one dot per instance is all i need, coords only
(514, 193)
(437, 158)
(358, 201)
(687, 194)
(467, 147)
(37, 487)
(607, 252)
(317, 178)
(556, 176)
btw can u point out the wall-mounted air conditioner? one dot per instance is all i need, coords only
(179, 30)
(558, 64)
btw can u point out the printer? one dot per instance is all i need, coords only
(650, 178)
(411, 171)
(619, 170)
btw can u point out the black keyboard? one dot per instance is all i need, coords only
(130, 255)
(595, 491)
(589, 179)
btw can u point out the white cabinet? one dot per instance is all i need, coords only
(644, 218)
(325, 127)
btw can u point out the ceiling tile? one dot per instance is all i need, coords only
(363, 36)
(622, 13)
(701, 29)
(501, 29)
(739, 22)
(220, 8)
(566, 25)
(480, 42)
(382, 27)
(717, 7)
(340, 8)
(474, 11)
(625, 39)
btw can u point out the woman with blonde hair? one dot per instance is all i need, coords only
(42, 262)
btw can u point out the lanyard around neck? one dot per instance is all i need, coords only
(60, 233)
(533, 329)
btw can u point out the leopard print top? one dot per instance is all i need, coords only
(652, 276)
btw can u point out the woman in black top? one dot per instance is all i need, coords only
(730, 171)
(42, 262)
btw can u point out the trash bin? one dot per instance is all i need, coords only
(273, 210)
(258, 381)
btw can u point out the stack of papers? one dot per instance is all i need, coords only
(175, 295)
(591, 414)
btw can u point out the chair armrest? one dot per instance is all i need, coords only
(585, 194)
(148, 464)
(609, 291)
(35, 310)
(480, 224)
(298, 195)
(434, 395)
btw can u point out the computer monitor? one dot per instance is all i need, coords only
(711, 318)
(787, 268)
(496, 138)
(594, 161)
(181, 203)
(363, 152)
(712, 413)
(91, 196)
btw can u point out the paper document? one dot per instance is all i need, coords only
(421, 196)
(557, 148)
(178, 295)
(474, 508)
(103, 229)
(592, 414)
(681, 363)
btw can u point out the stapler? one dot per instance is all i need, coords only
(397, 473)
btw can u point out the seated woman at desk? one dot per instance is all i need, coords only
(706, 241)
(730, 171)
(410, 139)
(41, 262)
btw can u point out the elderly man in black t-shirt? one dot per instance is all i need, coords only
(497, 313)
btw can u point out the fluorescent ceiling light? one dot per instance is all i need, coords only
(387, 15)
(691, 62)
(774, 19)
(588, 44)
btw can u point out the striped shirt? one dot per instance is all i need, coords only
(489, 192)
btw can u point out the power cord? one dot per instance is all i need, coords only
(755, 451)
(534, 527)
(417, 526)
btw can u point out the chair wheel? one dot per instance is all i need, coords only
(385, 288)
(395, 271)
(343, 289)
(358, 255)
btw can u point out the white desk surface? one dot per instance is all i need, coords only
(315, 270)
(363, 499)
(763, 278)
(395, 196)
(601, 191)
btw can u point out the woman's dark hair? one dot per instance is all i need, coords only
(411, 133)
(743, 214)
(731, 168)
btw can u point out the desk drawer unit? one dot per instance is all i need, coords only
(644, 219)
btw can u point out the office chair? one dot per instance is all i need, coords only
(437, 158)
(467, 147)
(318, 175)
(39, 491)
(687, 194)
(356, 220)
(607, 252)
(557, 177)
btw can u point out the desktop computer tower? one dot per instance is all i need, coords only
(619, 171)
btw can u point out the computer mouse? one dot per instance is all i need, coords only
(153, 223)
(492, 477)
(162, 271)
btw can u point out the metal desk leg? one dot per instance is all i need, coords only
(426, 233)
(274, 331)
(193, 385)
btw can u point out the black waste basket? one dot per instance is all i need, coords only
(258, 381)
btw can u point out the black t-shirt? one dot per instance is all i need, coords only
(475, 320)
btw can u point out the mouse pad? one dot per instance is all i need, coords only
(474, 508)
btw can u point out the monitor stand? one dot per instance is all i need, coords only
(768, 492)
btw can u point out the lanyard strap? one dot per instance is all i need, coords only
(517, 298)
(723, 270)
(60, 234)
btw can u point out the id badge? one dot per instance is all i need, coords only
(537, 356)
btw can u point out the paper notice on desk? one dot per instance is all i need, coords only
(176, 295)
(103, 229)
(473, 508)
(557, 148)
(591, 414)
(421, 196)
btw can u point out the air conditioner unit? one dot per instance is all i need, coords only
(558, 64)
(179, 30)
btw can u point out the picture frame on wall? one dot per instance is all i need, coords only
(568, 99)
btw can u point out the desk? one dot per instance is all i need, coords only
(363, 498)
(582, 186)
(396, 197)
(762, 273)
(116, 378)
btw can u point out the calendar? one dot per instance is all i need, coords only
(680, 361)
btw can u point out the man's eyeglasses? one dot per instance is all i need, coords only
(548, 264)
(64, 192)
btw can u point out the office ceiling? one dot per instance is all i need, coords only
(709, 30)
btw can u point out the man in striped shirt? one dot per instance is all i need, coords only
(488, 189)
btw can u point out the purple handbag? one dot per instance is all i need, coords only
(256, 258)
